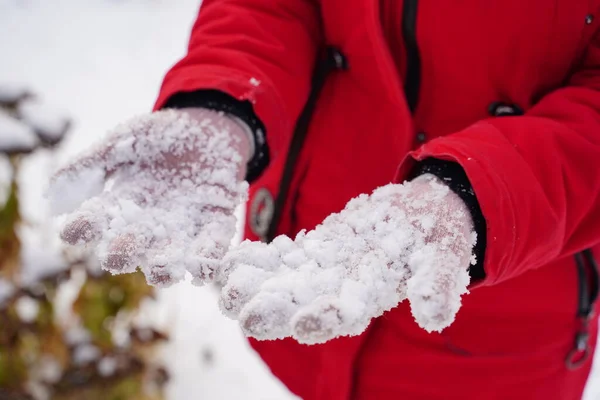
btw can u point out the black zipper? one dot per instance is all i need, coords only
(332, 60)
(412, 81)
(586, 266)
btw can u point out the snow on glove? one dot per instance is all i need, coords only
(159, 193)
(413, 241)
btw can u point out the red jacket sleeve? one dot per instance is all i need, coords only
(262, 51)
(537, 176)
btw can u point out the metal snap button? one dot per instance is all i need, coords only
(261, 212)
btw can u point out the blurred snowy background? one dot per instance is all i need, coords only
(102, 61)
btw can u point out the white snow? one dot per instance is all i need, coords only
(47, 369)
(50, 124)
(107, 366)
(77, 335)
(6, 171)
(40, 255)
(68, 191)
(11, 92)
(15, 135)
(378, 251)
(27, 309)
(6, 290)
(86, 353)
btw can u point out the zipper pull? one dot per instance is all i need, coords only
(582, 350)
(339, 59)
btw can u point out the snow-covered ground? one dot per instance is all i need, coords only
(102, 61)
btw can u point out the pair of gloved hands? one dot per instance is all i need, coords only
(160, 194)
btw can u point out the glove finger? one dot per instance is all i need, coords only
(83, 178)
(320, 321)
(267, 316)
(346, 308)
(86, 176)
(435, 288)
(125, 251)
(163, 264)
(258, 255)
(70, 187)
(87, 224)
(208, 248)
(122, 203)
(246, 267)
(242, 285)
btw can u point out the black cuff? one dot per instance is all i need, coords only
(455, 177)
(221, 101)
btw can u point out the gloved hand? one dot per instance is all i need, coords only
(159, 193)
(410, 241)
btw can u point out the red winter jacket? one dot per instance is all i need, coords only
(536, 176)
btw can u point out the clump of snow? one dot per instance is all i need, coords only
(50, 124)
(11, 92)
(27, 309)
(40, 257)
(410, 241)
(47, 369)
(168, 202)
(76, 335)
(6, 171)
(120, 329)
(7, 289)
(86, 353)
(107, 366)
(15, 136)
(71, 188)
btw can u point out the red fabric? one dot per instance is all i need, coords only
(537, 177)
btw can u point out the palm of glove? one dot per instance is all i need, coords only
(159, 194)
(404, 241)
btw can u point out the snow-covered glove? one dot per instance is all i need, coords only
(413, 241)
(159, 193)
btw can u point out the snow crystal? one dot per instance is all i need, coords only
(15, 136)
(404, 241)
(48, 123)
(27, 309)
(173, 181)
